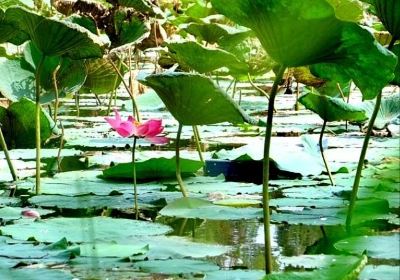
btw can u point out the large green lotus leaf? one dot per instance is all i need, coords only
(131, 31)
(388, 13)
(56, 37)
(8, 32)
(197, 10)
(101, 76)
(112, 250)
(345, 50)
(70, 75)
(389, 110)
(35, 274)
(194, 99)
(360, 58)
(204, 60)
(82, 229)
(348, 10)
(152, 169)
(17, 80)
(381, 272)
(22, 127)
(396, 51)
(176, 266)
(84, 21)
(283, 27)
(327, 268)
(377, 247)
(332, 108)
(203, 209)
(215, 32)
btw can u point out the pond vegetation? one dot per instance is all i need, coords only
(199, 139)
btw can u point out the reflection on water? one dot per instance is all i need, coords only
(246, 237)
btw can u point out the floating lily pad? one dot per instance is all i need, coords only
(56, 253)
(82, 229)
(365, 210)
(327, 268)
(203, 209)
(381, 272)
(35, 274)
(176, 266)
(174, 247)
(379, 247)
(152, 169)
(100, 250)
(235, 274)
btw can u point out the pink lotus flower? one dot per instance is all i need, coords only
(29, 213)
(147, 130)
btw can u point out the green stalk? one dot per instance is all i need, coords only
(178, 162)
(134, 105)
(198, 143)
(321, 135)
(364, 148)
(37, 121)
(360, 165)
(7, 155)
(267, 144)
(60, 148)
(56, 104)
(134, 178)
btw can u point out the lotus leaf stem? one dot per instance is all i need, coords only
(56, 103)
(198, 143)
(363, 153)
(267, 144)
(110, 101)
(38, 110)
(321, 148)
(134, 178)
(134, 105)
(360, 165)
(60, 148)
(178, 162)
(77, 103)
(7, 155)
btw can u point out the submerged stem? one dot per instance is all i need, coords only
(321, 148)
(134, 178)
(178, 162)
(198, 143)
(3, 145)
(37, 121)
(267, 144)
